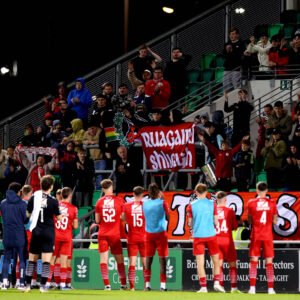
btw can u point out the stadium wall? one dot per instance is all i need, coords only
(182, 272)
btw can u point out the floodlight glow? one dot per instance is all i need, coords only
(239, 10)
(168, 10)
(4, 70)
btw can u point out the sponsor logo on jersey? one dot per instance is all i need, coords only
(108, 203)
(221, 214)
(136, 208)
(262, 205)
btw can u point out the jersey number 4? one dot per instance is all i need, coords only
(263, 218)
(108, 214)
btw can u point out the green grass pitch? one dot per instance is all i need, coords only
(138, 295)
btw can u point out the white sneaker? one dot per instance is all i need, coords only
(271, 291)
(24, 289)
(252, 291)
(44, 290)
(4, 286)
(107, 288)
(219, 288)
(202, 290)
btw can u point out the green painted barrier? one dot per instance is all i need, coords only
(87, 275)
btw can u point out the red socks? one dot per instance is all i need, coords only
(63, 276)
(147, 275)
(253, 273)
(104, 273)
(51, 273)
(122, 273)
(163, 277)
(131, 276)
(233, 276)
(69, 275)
(202, 281)
(270, 275)
(221, 276)
(57, 273)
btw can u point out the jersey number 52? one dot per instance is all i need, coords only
(108, 214)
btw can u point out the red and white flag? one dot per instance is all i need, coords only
(169, 147)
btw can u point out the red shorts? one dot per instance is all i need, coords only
(112, 242)
(227, 249)
(267, 246)
(134, 248)
(62, 248)
(157, 241)
(28, 233)
(211, 244)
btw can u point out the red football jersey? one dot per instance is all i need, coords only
(63, 227)
(226, 222)
(262, 211)
(110, 209)
(136, 221)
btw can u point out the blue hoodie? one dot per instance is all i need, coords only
(85, 98)
(13, 211)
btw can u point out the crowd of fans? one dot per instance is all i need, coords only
(82, 129)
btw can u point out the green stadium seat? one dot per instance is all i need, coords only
(57, 184)
(288, 30)
(262, 176)
(220, 61)
(234, 190)
(208, 61)
(288, 41)
(275, 29)
(208, 75)
(195, 75)
(219, 74)
(193, 88)
(252, 190)
(96, 197)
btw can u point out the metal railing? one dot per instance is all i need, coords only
(189, 36)
(276, 94)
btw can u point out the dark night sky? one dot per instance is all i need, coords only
(50, 47)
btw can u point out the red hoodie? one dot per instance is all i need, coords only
(160, 99)
(224, 159)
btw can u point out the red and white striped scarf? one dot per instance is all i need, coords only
(37, 150)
